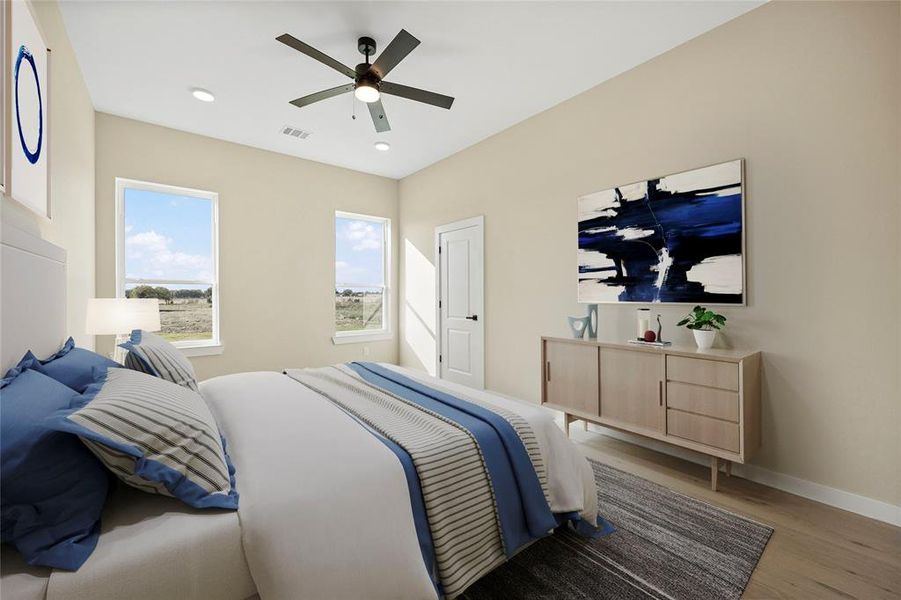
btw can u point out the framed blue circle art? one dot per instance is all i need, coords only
(25, 57)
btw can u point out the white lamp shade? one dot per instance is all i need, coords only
(114, 316)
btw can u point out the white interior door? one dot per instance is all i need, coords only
(461, 289)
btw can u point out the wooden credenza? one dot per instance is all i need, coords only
(703, 400)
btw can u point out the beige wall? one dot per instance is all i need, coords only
(276, 238)
(808, 94)
(71, 172)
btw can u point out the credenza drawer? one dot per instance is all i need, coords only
(704, 430)
(702, 400)
(701, 371)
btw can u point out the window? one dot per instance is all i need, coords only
(167, 248)
(362, 257)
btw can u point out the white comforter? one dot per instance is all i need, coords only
(325, 509)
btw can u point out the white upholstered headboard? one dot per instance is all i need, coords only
(32, 296)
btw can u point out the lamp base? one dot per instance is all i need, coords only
(118, 354)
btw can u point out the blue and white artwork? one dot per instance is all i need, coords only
(28, 105)
(674, 239)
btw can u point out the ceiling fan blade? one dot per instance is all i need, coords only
(379, 118)
(402, 44)
(289, 40)
(412, 93)
(329, 93)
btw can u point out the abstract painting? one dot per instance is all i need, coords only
(28, 105)
(676, 239)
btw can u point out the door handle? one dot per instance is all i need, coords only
(472, 318)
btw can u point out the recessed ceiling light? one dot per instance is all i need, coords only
(382, 146)
(203, 95)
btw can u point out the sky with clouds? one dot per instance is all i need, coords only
(170, 237)
(358, 251)
(167, 236)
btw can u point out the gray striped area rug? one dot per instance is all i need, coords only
(666, 546)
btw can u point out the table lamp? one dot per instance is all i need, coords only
(119, 316)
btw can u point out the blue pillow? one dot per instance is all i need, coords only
(71, 366)
(53, 488)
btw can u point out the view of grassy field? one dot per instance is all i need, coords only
(185, 313)
(191, 318)
(358, 310)
(186, 319)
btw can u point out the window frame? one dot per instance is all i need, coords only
(213, 345)
(367, 335)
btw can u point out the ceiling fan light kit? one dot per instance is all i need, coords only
(367, 93)
(369, 83)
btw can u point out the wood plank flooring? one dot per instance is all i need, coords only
(817, 551)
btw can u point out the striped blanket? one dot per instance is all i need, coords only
(477, 481)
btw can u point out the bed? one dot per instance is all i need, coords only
(327, 505)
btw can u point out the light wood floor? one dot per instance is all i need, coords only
(816, 551)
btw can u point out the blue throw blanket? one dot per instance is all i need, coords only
(476, 477)
(523, 510)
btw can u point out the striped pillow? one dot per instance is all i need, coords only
(155, 356)
(154, 435)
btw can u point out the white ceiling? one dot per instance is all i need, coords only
(503, 61)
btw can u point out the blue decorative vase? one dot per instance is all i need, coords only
(578, 325)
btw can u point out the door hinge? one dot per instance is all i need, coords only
(439, 304)
(439, 249)
(439, 358)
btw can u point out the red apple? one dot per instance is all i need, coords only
(649, 336)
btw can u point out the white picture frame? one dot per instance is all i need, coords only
(4, 89)
(27, 111)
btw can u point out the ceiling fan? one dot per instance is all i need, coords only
(369, 82)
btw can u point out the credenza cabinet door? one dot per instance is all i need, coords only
(632, 389)
(571, 376)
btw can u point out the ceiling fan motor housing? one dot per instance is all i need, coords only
(365, 76)
(366, 46)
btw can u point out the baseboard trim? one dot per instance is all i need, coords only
(867, 507)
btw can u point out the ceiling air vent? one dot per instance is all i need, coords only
(294, 132)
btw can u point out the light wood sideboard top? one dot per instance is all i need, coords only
(724, 354)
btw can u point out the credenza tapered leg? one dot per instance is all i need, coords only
(728, 468)
(566, 421)
(714, 472)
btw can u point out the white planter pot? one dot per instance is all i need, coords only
(704, 339)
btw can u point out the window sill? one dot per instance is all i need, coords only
(361, 338)
(202, 349)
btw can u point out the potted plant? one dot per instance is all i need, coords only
(704, 324)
